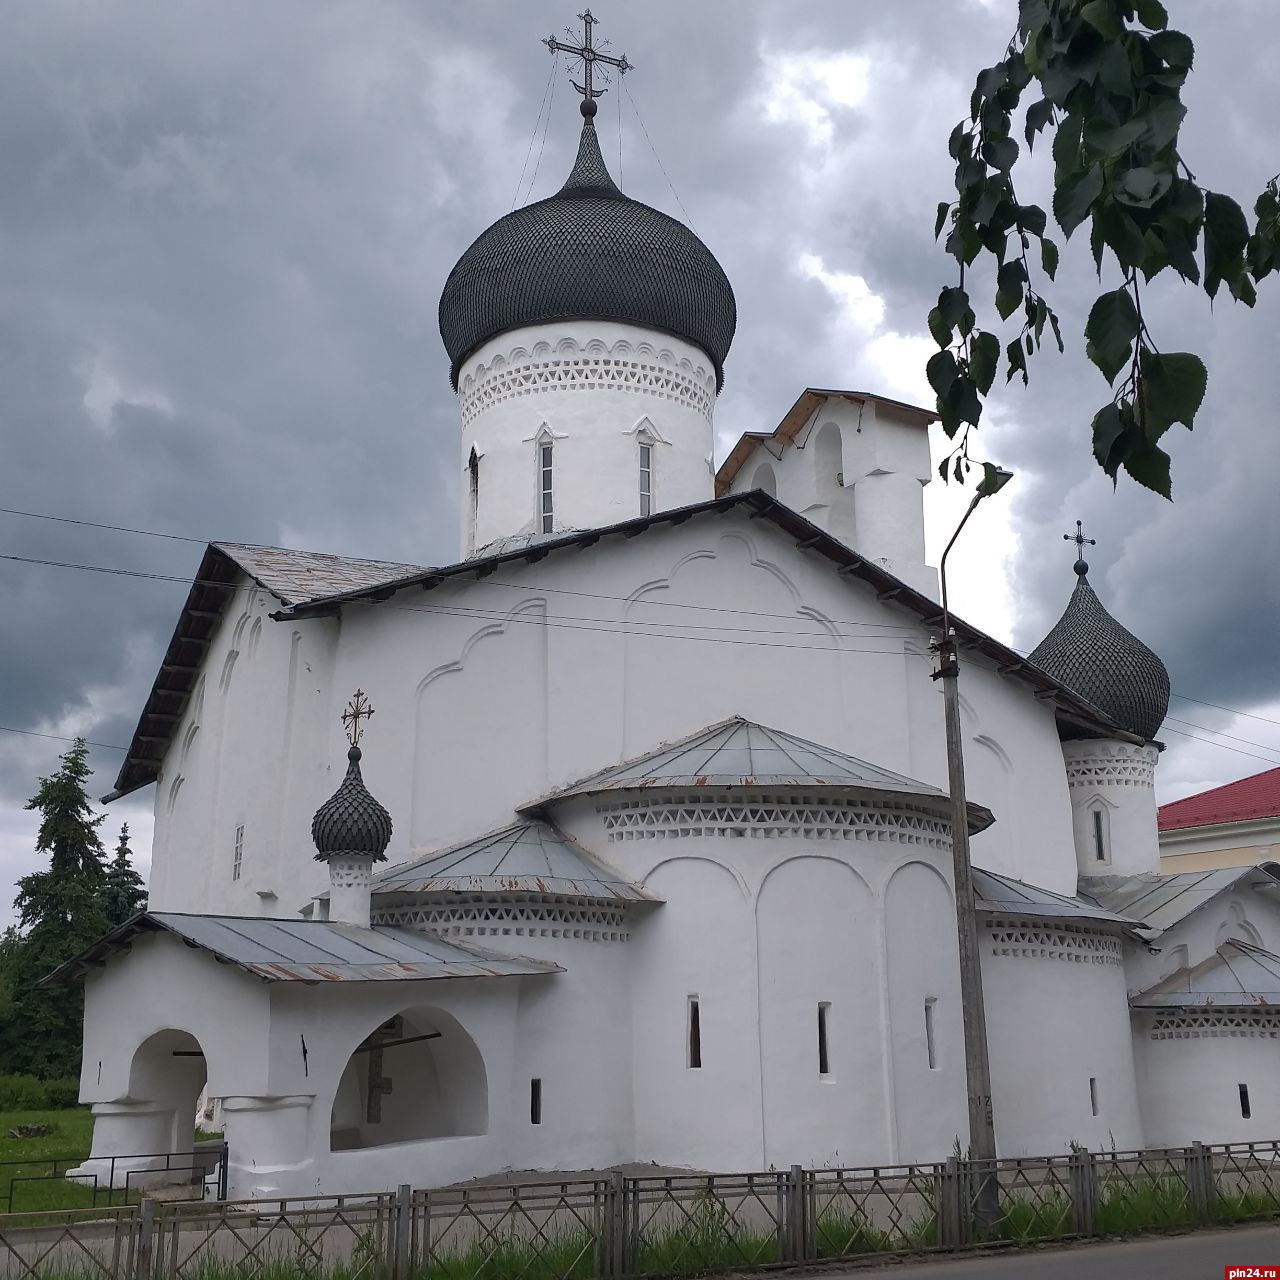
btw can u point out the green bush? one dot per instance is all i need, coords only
(27, 1093)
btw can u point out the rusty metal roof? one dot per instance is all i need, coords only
(1158, 902)
(740, 753)
(1001, 895)
(528, 857)
(1238, 975)
(296, 950)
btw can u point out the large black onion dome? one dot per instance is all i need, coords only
(351, 823)
(1091, 654)
(588, 253)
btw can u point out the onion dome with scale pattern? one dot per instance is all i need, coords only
(588, 253)
(1091, 654)
(351, 823)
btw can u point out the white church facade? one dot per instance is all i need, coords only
(659, 865)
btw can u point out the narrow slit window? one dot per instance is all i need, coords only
(1245, 1110)
(237, 856)
(930, 1045)
(1099, 837)
(545, 508)
(535, 1101)
(695, 1033)
(646, 478)
(473, 489)
(824, 1052)
(1093, 1094)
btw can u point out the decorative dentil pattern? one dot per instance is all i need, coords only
(570, 366)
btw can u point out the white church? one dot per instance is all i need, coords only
(659, 866)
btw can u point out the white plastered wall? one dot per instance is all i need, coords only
(479, 715)
(593, 390)
(856, 469)
(1113, 806)
(1057, 1016)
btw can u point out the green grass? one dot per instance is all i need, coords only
(72, 1132)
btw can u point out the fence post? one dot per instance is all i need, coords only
(950, 1204)
(401, 1232)
(795, 1214)
(1082, 1178)
(615, 1224)
(144, 1258)
(1199, 1173)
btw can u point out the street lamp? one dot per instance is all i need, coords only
(982, 1134)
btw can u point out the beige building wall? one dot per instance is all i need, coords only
(1227, 844)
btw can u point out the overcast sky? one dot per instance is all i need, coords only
(224, 228)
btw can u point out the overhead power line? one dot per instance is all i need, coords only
(58, 737)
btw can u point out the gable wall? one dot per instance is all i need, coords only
(491, 692)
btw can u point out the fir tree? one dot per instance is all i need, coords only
(125, 893)
(60, 913)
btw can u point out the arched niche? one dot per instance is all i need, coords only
(763, 478)
(416, 1076)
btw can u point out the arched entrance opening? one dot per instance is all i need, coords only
(168, 1071)
(418, 1075)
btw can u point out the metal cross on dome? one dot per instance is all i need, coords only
(356, 710)
(1079, 539)
(589, 56)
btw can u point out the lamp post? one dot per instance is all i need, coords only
(982, 1134)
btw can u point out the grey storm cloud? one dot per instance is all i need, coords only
(224, 229)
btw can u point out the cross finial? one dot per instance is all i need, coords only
(1081, 565)
(589, 55)
(356, 710)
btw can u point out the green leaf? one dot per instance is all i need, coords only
(1031, 218)
(1112, 140)
(1049, 257)
(984, 353)
(1226, 234)
(1038, 115)
(960, 144)
(991, 79)
(1173, 388)
(1115, 71)
(1175, 48)
(944, 208)
(1163, 122)
(1009, 281)
(970, 173)
(942, 372)
(1148, 464)
(1109, 442)
(1102, 17)
(1152, 14)
(1073, 198)
(1110, 331)
(1016, 361)
(1057, 333)
(1000, 153)
(961, 403)
(952, 305)
(1142, 187)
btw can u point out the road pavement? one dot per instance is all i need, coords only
(1202, 1255)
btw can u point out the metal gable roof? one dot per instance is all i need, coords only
(296, 950)
(293, 577)
(1158, 902)
(215, 582)
(531, 856)
(1238, 975)
(741, 753)
(1004, 896)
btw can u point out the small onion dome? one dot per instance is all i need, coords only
(1091, 654)
(588, 253)
(351, 823)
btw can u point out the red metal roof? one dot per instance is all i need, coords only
(1248, 799)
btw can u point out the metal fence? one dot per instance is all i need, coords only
(38, 1184)
(619, 1226)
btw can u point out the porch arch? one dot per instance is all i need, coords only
(417, 1075)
